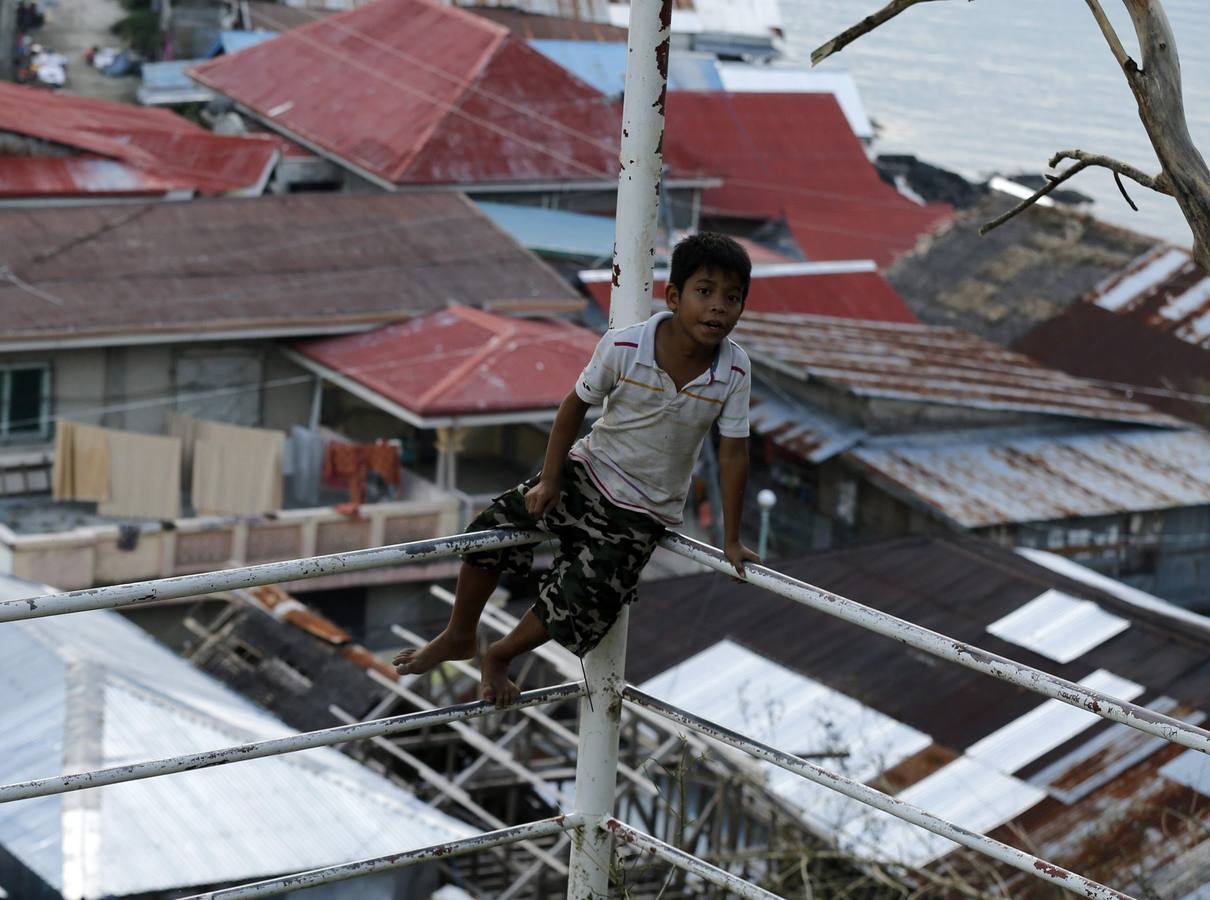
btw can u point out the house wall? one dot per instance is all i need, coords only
(133, 388)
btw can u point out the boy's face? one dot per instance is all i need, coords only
(709, 306)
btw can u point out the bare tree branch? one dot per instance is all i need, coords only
(1156, 85)
(1111, 36)
(1084, 160)
(865, 26)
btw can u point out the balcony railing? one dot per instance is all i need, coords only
(581, 820)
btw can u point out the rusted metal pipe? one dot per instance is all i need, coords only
(541, 828)
(265, 573)
(939, 645)
(341, 734)
(856, 790)
(734, 885)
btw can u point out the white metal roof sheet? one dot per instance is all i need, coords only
(1058, 626)
(1124, 592)
(1192, 769)
(1048, 725)
(966, 792)
(744, 691)
(1150, 275)
(98, 676)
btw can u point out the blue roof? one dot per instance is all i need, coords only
(235, 41)
(169, 75)
(602, 64)
(554, 232)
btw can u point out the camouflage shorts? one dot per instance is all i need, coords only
(601, 550)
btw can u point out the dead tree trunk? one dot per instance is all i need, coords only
(1157, 90)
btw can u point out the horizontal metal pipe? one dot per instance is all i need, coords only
(981, 843)
(265, 573)
(541, 828)
(341, 734)
(735, 885)
(968, 655)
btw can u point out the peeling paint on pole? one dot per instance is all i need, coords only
(640, 167)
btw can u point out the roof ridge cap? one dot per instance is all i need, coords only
(467, 85)
(498, 337)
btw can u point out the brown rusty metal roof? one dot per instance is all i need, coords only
(301, 264)
(1107, 812)
(989, 477)
(927, 364)
(1163, 289)
(1092, 342)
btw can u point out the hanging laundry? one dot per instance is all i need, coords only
(81, 469)
(236, 470)
(348, 465)
(144, 476)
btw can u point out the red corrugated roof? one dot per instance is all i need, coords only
(462, 361)
(151, 150)
(72, 176)
(414, 92)
(794, 155)
(849, 295)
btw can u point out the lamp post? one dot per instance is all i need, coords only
(766, 500)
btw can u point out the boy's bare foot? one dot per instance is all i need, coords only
(497, 688)
(442, 648)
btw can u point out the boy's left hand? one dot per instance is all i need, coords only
(737, 554)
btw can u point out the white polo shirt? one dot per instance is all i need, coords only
(642, 450)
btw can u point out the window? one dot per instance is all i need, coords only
(24, 403)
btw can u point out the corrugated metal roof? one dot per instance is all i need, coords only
(532, 25)
(166, 83)
(298, 264)
(1058, 626)
(744, 691)
(723, 18)
(156, 144)
(927, 364)
(981, 479)
(794, 156)
(1092, 342)
(800, 430)
(462, 362)
(738, 77)
(1103, 802)
(413, 92)
(1165, 290)
(851, 289)
(1047, 726)
(967, 792)
(235, 41)
(123, 698)
(603, 65)
(554, 232)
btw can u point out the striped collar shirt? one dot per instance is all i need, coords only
(642, 450)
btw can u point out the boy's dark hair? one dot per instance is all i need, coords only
(709, 248)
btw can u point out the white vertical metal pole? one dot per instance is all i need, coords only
(641, 164)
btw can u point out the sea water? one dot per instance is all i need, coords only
(998, 86)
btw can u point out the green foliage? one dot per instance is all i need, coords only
(140, 30)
